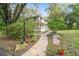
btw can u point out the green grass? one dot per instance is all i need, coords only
(69, 42)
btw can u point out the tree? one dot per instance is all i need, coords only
(29, 14)
(73, 16)
(54, 11)
(10, 13)
(56, 24)
(76, 13)
(69, 20)
(56, 17)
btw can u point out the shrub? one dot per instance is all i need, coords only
(56, 24)
(15, 30)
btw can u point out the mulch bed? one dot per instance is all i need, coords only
(20, 52)
(10, 43)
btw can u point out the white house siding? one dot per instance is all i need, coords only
(43, 26)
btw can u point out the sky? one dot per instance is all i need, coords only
(42, 7)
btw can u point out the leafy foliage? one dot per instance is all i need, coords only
(30, 26)
(72, 17)
(55, 11)
(15, 30)
(56, 24)
(2, 25)
(56, 17)
(10, 13)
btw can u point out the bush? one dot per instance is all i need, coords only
(56, 24)
(30, 26)
(15, 30)
(74, 27)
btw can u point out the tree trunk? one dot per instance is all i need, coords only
(6, 30)
(24, 31)
(23, 40)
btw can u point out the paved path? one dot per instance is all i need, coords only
(39, 48)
